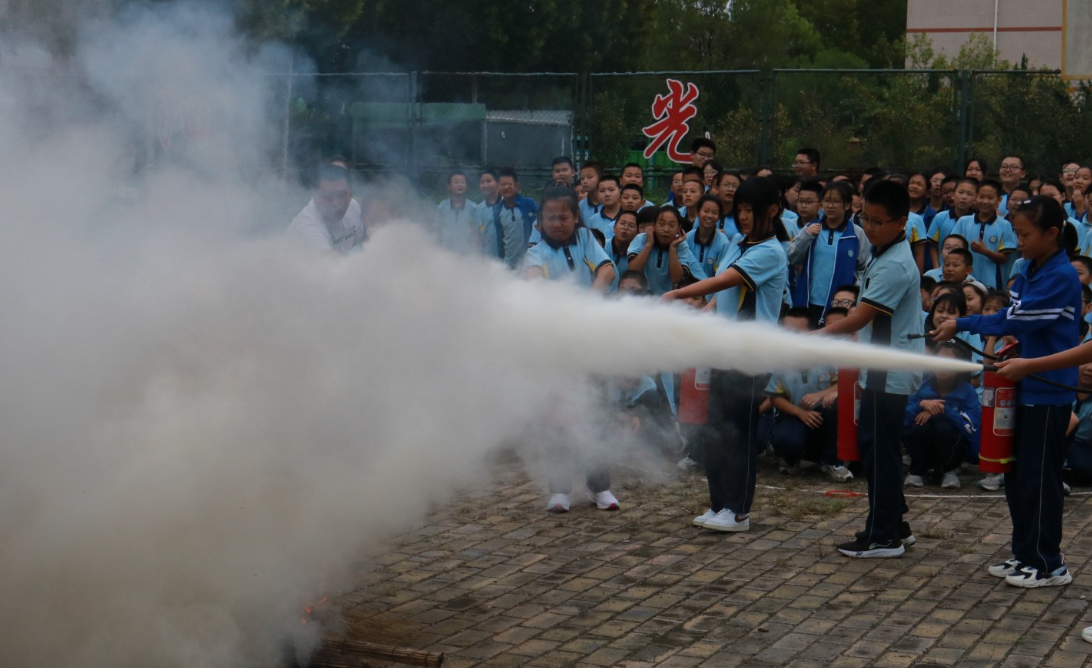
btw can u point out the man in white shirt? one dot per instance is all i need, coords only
(332, 220)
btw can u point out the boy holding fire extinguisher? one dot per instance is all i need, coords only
(1045, 315)
(887, 313)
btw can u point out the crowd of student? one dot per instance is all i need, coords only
(973, 263)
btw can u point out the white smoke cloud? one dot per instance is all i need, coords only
(203, 428)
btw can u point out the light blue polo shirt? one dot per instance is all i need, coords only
(891, 286)
(728, 226)
(915, 229)
(658, 267)
(708, 255)
(997, 235)
(588, 210)
(578, 260)
(943, 223)
(765, 271)
(455, 227)
(602, 223)
(793, 385)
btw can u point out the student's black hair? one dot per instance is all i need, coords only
(798, 312)
(597, 167)
(1045, 212)
(753, 172)
(960, 353)
(562, 160)
(686, 281)
(715, 200)
(963, 239)
(939, 170)
(950, 178)
(1082, 259)
(1023, 164)
(992, 183)
(928, 283)
(608, 178)
(634, 186)
(902, 179)
(1051, 182)
(945, 285)
(647, 216)
(874, 172)
(844, 190)
(1086, 294)
(997, 295)
(453, 173)
(629, 165)
(599, 236)
(626, 212)
(812, 154)
(702, 142)
(973, 286)
(968, 256)
(890, 195)
(760, 193)
(973, 182)
(1025, 187)
(509, 172)
(328, 172)
(490, 171)
(727, 172)
(956, 297)
(848, 287)
(715, 165)
(633, 274)
(981, 165)
(835, 310)
(694, 171)
(557, 193)
(814, 186)
(925, 175)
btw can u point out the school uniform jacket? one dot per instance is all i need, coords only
(849, 263)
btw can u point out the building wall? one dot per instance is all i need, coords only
(1056, 34)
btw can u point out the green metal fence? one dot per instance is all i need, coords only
(425, 123)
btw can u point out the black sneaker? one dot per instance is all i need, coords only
(906, 535)
(863, 548)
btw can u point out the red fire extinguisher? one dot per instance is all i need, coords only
(694, 396)
(849, 414)
(998, 419)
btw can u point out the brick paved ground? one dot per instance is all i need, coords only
(492, 580)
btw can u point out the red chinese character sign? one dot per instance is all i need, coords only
(672, 113)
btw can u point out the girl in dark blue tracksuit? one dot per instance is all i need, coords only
(1045, 317)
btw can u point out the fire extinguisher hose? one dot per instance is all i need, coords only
(991, 367)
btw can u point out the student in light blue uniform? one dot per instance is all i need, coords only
(503, 243)
(610, 205)
(590, 173)
(727, 184)
(992, 237)
(749, 285)
(963, 203)
(832, 252)
(887, 313)
(625, 230)
(569, 252)
(665, 258)
(1011, 173)
(457, 218)
(706, 242)
(514, 211)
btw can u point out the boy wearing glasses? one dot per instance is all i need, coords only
(887, 313)
(1012, 173)
(806, 164)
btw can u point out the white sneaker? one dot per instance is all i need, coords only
(726, 520)
(1005, 568)
(837, 473)
(700, 520)
(1029, 576)
(687, 464)
(914, 481)
(906, 461)
(950, 481)
(992, 482)
(1087, 633)
(559, 503)
(603, 500)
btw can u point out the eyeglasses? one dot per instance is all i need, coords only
(865, 221)
(706, 154)
(730, 186)
(801, 163)
(1069, 171)
(841, 303)
(1009, 168)
(833, 202)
